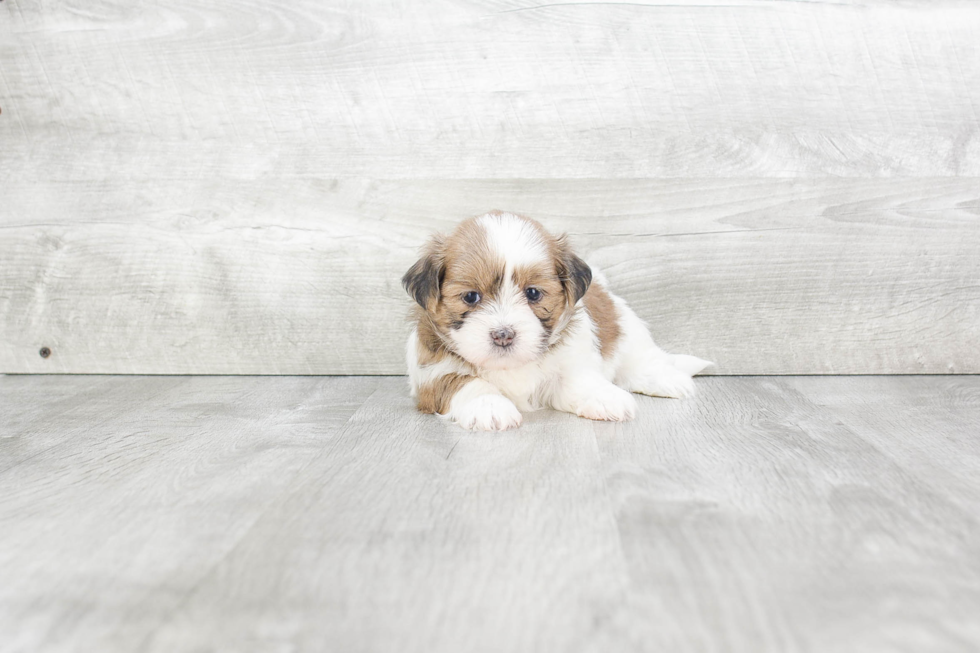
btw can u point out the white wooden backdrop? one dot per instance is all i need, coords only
(220, 186)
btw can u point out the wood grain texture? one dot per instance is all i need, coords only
(808, 528)
(781, 515)
(903, 423)
(235, 187)
(302, 277)
(124, 493)
(494, 88)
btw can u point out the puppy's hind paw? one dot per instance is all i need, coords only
(665, 381)
(488, 412)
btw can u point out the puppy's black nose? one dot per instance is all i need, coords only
(503, 336)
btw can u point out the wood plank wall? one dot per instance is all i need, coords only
(236, 187)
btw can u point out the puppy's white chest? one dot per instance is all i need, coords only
(525, 386)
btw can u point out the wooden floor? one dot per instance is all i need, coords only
(324, 514)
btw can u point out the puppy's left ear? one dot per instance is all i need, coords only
(424, 279)
(575, 274)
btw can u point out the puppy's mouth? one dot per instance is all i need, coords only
(511, 355)
(503, 360)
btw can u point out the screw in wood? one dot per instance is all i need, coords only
(45, 352)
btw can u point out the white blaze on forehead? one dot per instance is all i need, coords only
(516, 240)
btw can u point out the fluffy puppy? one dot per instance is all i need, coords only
(510, 320)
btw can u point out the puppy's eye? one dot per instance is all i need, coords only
(472, 297)
(532, 294)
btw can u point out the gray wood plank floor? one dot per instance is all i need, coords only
(324, 514)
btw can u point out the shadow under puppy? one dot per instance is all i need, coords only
(510, 320)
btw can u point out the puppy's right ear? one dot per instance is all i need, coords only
(424, 279)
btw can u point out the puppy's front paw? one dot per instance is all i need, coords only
(608, 403)
(664, 381)
(488, 413)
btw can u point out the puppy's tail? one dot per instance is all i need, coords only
(690, 364)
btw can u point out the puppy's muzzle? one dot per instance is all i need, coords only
(502, 337)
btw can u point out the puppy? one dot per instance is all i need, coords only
(510, 320)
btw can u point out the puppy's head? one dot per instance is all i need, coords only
(498, 290)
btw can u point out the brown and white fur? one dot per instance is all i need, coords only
(510, 320)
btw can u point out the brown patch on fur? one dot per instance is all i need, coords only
(453, 265)
(430, 348)
(606, 318)
(554, 302)
(469, 265)
(563, 279)
(436, 396)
